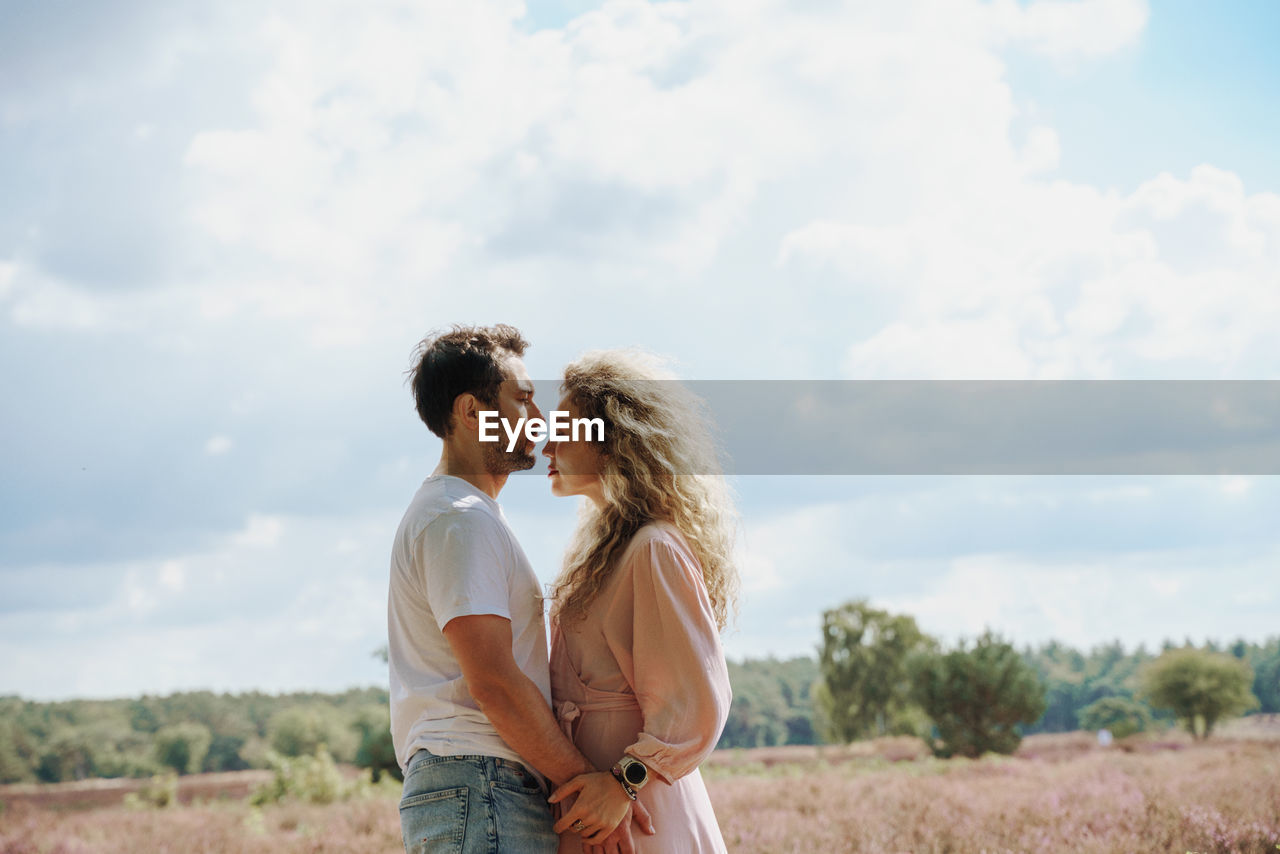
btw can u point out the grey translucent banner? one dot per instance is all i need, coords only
(987, 427)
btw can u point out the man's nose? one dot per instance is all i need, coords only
(534, 411)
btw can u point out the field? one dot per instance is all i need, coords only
(1058, 793)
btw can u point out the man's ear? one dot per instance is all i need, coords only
(466, 412)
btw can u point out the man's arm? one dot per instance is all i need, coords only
(519, 712)
(512, 702)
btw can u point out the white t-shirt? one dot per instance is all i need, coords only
(454, 555)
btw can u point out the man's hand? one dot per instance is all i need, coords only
(620, 841)
(602, 806)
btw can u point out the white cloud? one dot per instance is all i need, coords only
(1121, 494)
(260, 532)
(8, 271)
(979, 349)
(759, 573)
(1081, 603)
(1055, 281)
(405, 163)
(231, 617)
(173, 575)
(42, 302)
(1235, 485)
(979, 592)
(1041, 152)
(1034, 559)
(218, 445)
(140, 597)
(1071, 29)
(1164, 586)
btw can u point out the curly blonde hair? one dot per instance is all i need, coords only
(660, 464)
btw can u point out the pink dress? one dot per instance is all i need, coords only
(644, 674)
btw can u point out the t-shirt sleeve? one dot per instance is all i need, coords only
(677, 665)
(464, 574)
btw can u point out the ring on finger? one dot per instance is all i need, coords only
(578, 826)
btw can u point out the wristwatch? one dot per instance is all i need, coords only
(632, 774)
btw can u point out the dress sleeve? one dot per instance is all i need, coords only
(668, 648)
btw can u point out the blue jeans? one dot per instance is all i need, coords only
(474, 805)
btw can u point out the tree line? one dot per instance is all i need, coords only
(875, 674)
(188, 733)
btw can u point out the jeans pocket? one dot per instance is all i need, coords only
(524, 822)
(435, 822)
(517, 778)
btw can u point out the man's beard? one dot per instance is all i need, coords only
(498, 460)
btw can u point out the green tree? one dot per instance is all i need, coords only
(13, 767)
(796, 678)
(758, 712)
(865, 687)
(1200, 687)
(772, 702)
(301, 730)
(142, 717)
(977, 697)
(1121, 716)
(183, 746)
(1265, 660)
(297, 731)
(224, 753)
(67, 755)
(376, 751)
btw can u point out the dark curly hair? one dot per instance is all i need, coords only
(463, 359)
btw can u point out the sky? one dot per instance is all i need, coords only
(224, 228)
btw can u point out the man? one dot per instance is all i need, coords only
(471, 717)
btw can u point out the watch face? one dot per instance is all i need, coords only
(635, 773)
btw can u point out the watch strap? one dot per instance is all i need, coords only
(616, 770)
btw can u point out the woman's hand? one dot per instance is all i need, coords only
(621, 841)
(601, 805)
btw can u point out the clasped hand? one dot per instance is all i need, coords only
(603, 807)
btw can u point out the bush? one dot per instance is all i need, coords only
(977, 697)
(1119, 715)
(160, 792)
(314, 779)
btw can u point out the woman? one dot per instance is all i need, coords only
(638, 677)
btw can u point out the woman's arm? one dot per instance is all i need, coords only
(665, 637)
